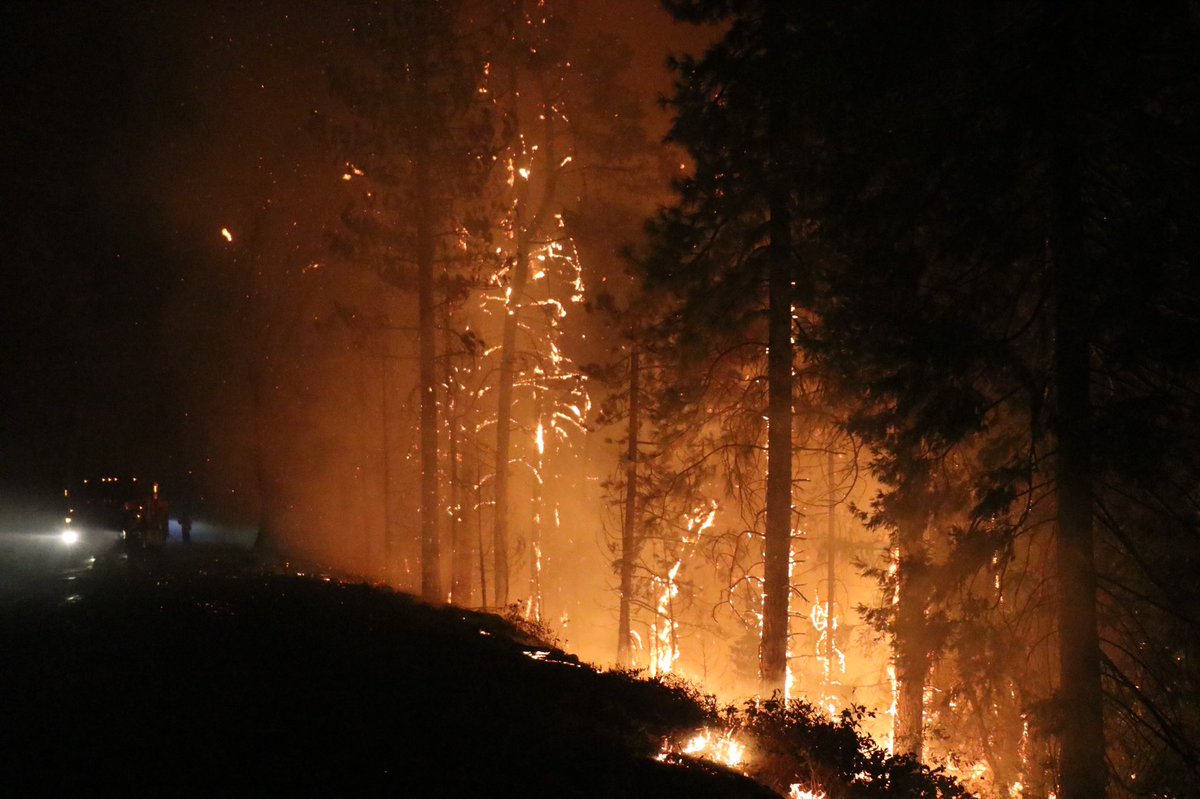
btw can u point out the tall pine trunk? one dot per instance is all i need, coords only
(389, 544)
(1082, 765)
(431, 583)
(830, 572)
(629, 529)
(477, 485)
(504, 408)
(536, 506)
(911, 640)
(528, 227)
(460, 566)
(777, 547)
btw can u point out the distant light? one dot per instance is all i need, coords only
(225, 232)
(70, 537)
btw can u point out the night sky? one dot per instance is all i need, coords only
(132, 133)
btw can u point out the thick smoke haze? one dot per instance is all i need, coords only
(252, 371)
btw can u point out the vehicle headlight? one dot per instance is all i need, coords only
(69, 536)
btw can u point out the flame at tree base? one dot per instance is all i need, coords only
(723, 748)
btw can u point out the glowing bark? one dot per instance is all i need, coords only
(911, 638)
(777, 547)
(431, 578)
(528, 229)
(629, 530)
(504, 407)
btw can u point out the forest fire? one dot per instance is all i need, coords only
(664, 649)
(796, 791)
(830, 658)
(856, 380)
(723, 748)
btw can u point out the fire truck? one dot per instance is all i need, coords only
(132, 508)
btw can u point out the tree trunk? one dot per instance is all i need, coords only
(528, 227)
(431, 587)
(1082, 765)
(504, 406)
(477, 482)
(389, 543)
(830, 575)
(911, 640)
(629, 529)
(777, 547)
(536, 506)
(362, 478)
(460, 577)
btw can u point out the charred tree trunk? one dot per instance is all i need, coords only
(460, 572)
(389, 543)
(431, 587)
(536, 507)
(528, 228)
(461, 537)
(911, 641)
(777, 547)
(477, 482)
(830, 573)
(1082, 764)
(504, 408)
(629, 539)
(363, 471)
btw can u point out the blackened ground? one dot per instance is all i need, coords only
(210, 677)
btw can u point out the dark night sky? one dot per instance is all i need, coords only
(131, 133)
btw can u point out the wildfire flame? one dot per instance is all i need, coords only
(716, 747)
(664, 644)
(831, 666)
(724, 749)
(798, 792)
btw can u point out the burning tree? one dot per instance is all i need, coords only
(530, 60)
(413, 131)
(979, 360)
(985, 357)
(575, 143)
(729, 245)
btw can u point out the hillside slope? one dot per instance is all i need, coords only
(256, 683)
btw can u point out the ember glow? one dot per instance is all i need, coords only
(799, 792)
(722, 747)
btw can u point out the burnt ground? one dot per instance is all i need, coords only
(188, 672)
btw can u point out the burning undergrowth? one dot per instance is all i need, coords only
(799, 751)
